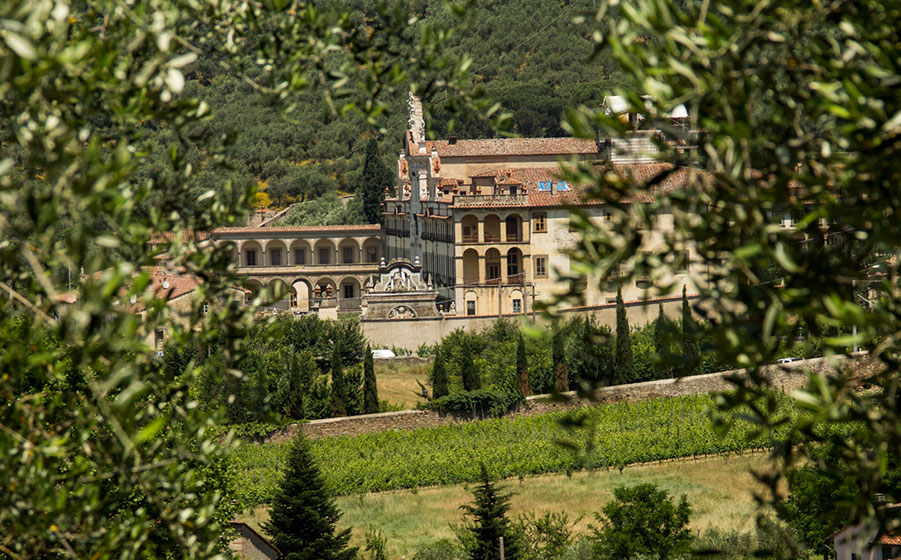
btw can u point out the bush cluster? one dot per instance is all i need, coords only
(480, 403)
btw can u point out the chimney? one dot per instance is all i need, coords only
(451, 140)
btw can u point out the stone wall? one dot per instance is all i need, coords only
(412, 333)
(784, 377)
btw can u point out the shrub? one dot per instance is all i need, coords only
(481, 402)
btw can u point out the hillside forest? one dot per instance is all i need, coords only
(528, 55)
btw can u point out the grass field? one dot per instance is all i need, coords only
(720, 490)
(397, 383)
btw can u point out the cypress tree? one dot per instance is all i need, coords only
(522, 368)
(376, 177)
(370, 388)
(489, 522)
(561, 381)
(690, 352)
(303, 515)
(339, 391)
(660, 345)
(439, 375)
(468, 372)
(624, 368)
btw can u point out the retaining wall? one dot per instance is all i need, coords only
(785, 377)
(412, 333)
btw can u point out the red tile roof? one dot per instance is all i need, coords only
(894, 540)
(513, 147)
(640, 174)
(297, 229)
(187, 235)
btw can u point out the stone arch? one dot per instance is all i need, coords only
(325, 289)
(492, 266)
(470, 266)
(276, 253)
(348, 251)
(278, 294)
(492, 225)
(471, 303)
(513, 228)
(515, 269)
(232, 250)
(470, 228)
(324, 252)
(251, 253)
(349, 293)
(252, 288)
(301, 253)
(517, 296)
(372, 250)
(301, 294)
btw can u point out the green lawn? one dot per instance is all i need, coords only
(397, 383)
(720, 490)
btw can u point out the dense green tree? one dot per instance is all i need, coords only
(303, 518)
(561, 379)
(338, 389)
(488, 523)
(370, 387)
(690, 353)
(625, 370)
(817, 141)
(439, 375)
(522, 368)
(661, 343)
(642, 521)
(375, 179)
(468, 371)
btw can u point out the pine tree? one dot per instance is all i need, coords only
(339, 391)
(370, 388)
(690, 353)
(468, 371)
(489, 522)
(624, 368)
(303, 516)
(522, 368)
(561, 379)
(376, 177)
(439, 375)
(660, 344)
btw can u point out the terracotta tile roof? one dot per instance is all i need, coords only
(513, 147)
(170, 285)
(187, 235)
(640, 173)
(894, 540)
(297, 229)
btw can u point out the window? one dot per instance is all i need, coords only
(470, 308)
(517, 306)
(348, 291)
(372, 254)
(300, 257)
(347, 254)
(513, 268)
(539, 222)
(275, 257)
(250, 257)
(323, 256)
(159, 337)
(541, 266)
